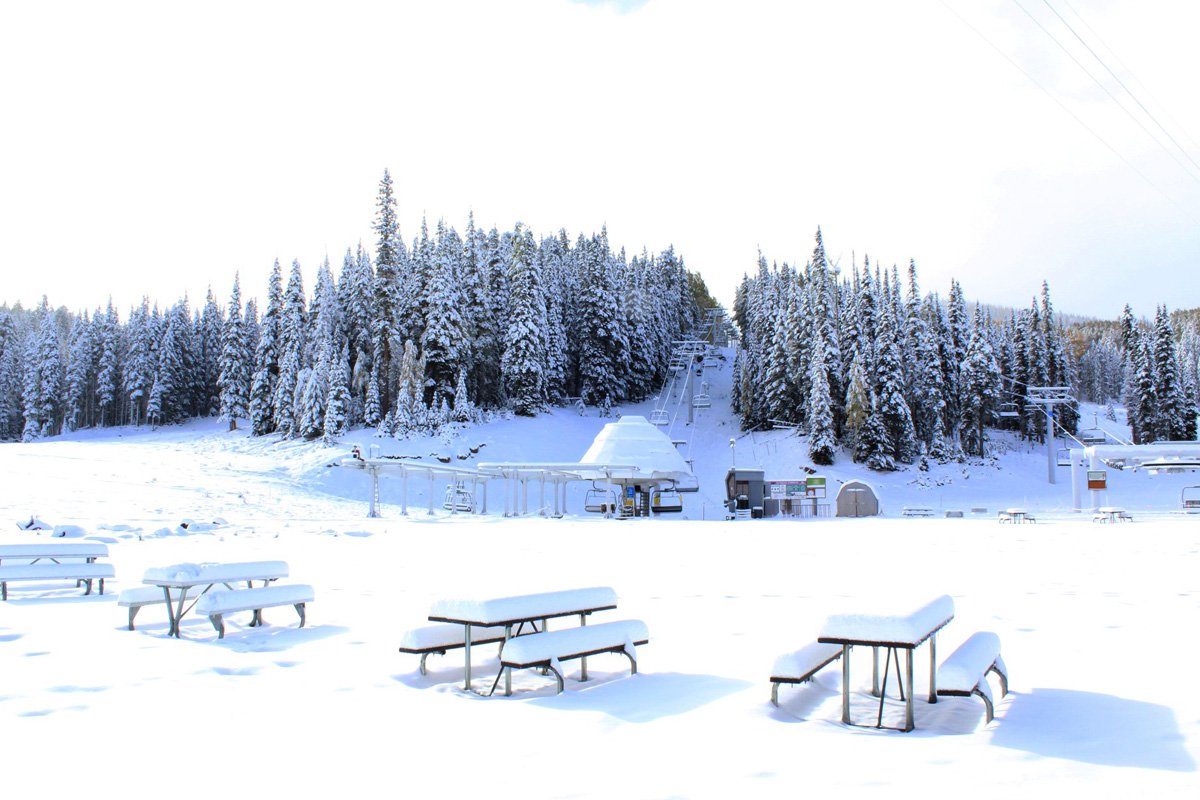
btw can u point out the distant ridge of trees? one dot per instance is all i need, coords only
(416, 336)
(861, 361)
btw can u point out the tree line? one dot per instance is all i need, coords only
(403, 340)
(859, 360)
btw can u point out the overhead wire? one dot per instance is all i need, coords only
(1100, 83)
(1115, 77)
(1068, 111)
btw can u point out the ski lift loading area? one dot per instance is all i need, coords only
(1088, 468)
(632, 467)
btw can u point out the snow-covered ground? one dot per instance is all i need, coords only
(1095, 622)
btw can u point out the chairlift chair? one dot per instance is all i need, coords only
(688, 483)
(663, 501)
(599, 501)
(1189, 499)
(1092, 436)
(659, 416)
(1008, 410)
(701, 401)
(1064, 457)
(458, 498)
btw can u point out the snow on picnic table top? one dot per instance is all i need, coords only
(499, 610)
(189, 574)
(903, 629)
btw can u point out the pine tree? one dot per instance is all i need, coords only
(389, 268)
(233, 381)
(874, 444)
(337, 409)
(11, 419)
(980, 385)
(821, 439)
(524, 378)
(1173, 408)
(140, 363)
(444, 340)
(266, 359)
(292, 353)
(894, 411)
(108, 377)
(44, 378)
(80, 375)
(211, 339)
(410, 414)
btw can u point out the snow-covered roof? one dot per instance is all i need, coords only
(633, 441)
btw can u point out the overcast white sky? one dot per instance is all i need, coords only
(157, 148)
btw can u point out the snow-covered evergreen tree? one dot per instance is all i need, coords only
(980, 386)
(524, 343)
(266, 358)
(821, 440)
(233, 380)
(292, 353)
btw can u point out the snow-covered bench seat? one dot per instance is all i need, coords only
(439, 638)
(549, 648)
(79, 572)
(53, 551)
(917, 511)
(802, 665)
(139, 596)
(965, 672)
(215, 605)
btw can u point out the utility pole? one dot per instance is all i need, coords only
(1048, 397)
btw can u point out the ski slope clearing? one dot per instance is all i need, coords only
(1094, 622)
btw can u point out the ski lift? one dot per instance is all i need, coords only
(1189, 499)
(458, 498)
(659, 416)
(1008, 410)
(689, 483)
(664, 501)
(710, 362)
(1092, 436)
(701, 401)
(599, 501)
(1064, 457)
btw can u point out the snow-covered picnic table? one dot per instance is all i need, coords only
(516, 612)
(183, 577)
(893, 633)
(1111, 514)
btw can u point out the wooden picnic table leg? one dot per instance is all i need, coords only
(908, 702)
(467, 659)
(845, 684)
(932, 669)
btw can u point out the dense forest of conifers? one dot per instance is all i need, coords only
(865, 364)
(409, 338)
(403, 340)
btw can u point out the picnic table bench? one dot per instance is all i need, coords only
(892, 633)
(216, 605)
(965, 672)
(54, 561)
(548, 649)
(514, 613)
(182, 578)
(917, 511)
(802, 665)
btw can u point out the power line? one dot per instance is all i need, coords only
(1104, 88)
(1069, 112)
(1130, 73)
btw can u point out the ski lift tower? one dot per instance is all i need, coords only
(1048, 397)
